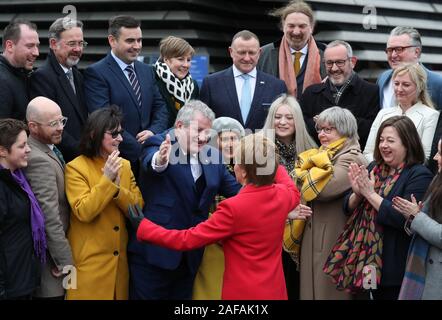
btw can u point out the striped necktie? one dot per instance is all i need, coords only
(134, 83)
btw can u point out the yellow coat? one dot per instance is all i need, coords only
(97, 232)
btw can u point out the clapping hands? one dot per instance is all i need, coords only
(407, 208)
(361, 183)
(164, 152)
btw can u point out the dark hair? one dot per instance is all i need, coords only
(118, 22)
(434, 196)
(410, 139)
(98, 122)
(13, 32)
(246, 35)
(9, 130)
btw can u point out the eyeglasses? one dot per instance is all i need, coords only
(74, 44)
(115, 134)
(327, 130)
(398, 50)
(55, 123)
(338, 63)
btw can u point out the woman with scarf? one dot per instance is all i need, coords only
(209, 279)
(374, 245)
(172, 75)
(423, 272)
(285, 125)
(22, 233)
(323, 175)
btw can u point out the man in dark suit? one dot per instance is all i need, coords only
(241, 92)
(180, 176)
(343, 88)
(120, 79)
(59, 80)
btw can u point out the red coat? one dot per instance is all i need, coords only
(250, 226)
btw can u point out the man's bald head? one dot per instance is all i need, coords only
(45, 120)
(39, 107)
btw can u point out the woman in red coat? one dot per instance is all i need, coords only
(250, 225)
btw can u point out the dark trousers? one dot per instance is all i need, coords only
(149, 282)
(291, 276)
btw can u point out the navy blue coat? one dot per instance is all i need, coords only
(218, 91)
(413, 180)
(106, 84)
(172, 201)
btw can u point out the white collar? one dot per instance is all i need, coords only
(237, 72)
(304, 50)
(123, 65)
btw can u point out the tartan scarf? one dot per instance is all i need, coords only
(181, 90)
(314, 168)
(413, 283)
(360, 244)
(287, 72)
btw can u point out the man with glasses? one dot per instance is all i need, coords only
(45, 173)
(20, 50)
(343, 88)
(241, 92)
(60, 80)
(404, 45)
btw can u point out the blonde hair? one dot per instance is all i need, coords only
(419, 77)
(256, 154)
(303, 140)
(173, 47)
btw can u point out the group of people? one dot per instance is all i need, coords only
(285, 176)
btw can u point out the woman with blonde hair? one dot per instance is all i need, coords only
(286, 127)
(172, 73)
(413, 101)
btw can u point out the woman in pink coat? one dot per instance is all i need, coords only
(250, 225)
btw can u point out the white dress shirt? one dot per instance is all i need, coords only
(304, 52)
(239, 81)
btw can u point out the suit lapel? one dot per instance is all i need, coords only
(229, 84)
(142, 80)
(257, 98)
(119, 74)
(45, 148)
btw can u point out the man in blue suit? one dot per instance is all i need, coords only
(122, 80)
(404, 45)
(241, 92)
(180, 176)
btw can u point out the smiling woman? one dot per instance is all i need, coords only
(172, 74)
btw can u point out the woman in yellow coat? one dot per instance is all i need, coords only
(100, 186)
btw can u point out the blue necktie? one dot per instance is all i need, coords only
(59, 155)
(246, 97)
(134, 83)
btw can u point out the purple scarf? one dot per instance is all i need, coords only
(37, 218)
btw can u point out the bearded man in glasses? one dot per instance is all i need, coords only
(343, 88)
(59, 80)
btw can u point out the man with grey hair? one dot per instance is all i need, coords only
(59, 80)
(240, 91)
(404, 45)
(343, 88)
(179, 179)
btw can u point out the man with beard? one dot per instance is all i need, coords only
(59, 80)
(343, 88)
(45, 173)
(120, 79)
(296, 58)
(20, 49)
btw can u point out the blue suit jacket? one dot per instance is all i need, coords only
(218, 91)
(434, 86)
(106, 84)
(171, 199)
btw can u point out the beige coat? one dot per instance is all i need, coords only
(46, 176)
(324, 227)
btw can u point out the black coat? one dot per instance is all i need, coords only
(14, 90)
(360, 97)
(50, 81)
(19, 267)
